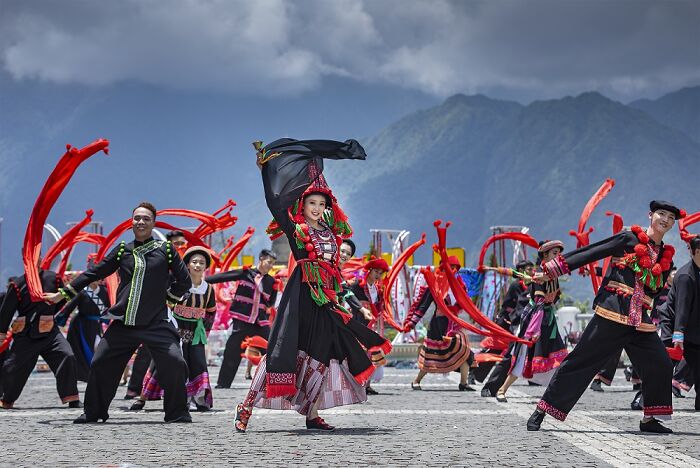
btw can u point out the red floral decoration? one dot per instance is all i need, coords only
(640, 261)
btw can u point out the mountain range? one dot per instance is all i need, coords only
(481, 162)
(473, 160)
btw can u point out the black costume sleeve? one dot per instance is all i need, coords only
(8, 308)
(612, 246)
(62, 316)
(273, 297)
(226, 276)
(286, 176)
(684, 291)
(182, 282)
(418, 309)
(352, 301)
(106, 267)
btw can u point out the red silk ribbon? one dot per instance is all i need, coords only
(52, 189)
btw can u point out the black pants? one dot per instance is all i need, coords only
(691, 353)
(113, 353)
(232, 354)
(138, 371)
(21, 359)
(498, 375)
(602, 339)
(607, 373)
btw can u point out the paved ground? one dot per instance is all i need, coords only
(438, 426)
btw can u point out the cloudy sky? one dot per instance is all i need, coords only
(537, 48)
(181, 87)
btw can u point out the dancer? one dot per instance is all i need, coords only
(316, 354)
(142, 359)
(140, 316)
(539, 323)
(510, 320)
(255, 294)
(686, 332)
(194, 317)
(368, 292)
(347, 297)
(639, 269)
(35, 334)
(446, 347)
(516, 296)
(85, 329)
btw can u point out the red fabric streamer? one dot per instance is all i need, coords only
(463, 299)
(53, 187)
(192, 239)
(237, 248)
(221, 254)
(224, 221)
(90, 238)
(526, 239)
(391, 279)
(583, 236)
(683, 224)
(66, 241)
(617, 223)
(675, 353)
(204, 218)
(617, 226)
(351, 267)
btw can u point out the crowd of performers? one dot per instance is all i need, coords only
(317, 333)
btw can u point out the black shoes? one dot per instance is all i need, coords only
(371, 391)
(138, 405)
(221, 386)
(638, 402)
(654, 426)
(75, 404)
(486, 393)
(83, 419)
(596, 386)
(466, 388)
(628, 374)
(535, 421)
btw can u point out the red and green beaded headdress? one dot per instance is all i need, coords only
(333, 216)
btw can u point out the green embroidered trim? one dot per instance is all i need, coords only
(200, 333)
(139, 254)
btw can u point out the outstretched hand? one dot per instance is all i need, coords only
(52, 298)
(540, 277)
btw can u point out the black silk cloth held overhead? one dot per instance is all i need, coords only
(289, 168)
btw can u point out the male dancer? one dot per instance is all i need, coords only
(686, 334)
(624, 318)
(35, 334)
(143, 357)
(255, 293)
(140, 316)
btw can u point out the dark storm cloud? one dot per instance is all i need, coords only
(270, 47)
